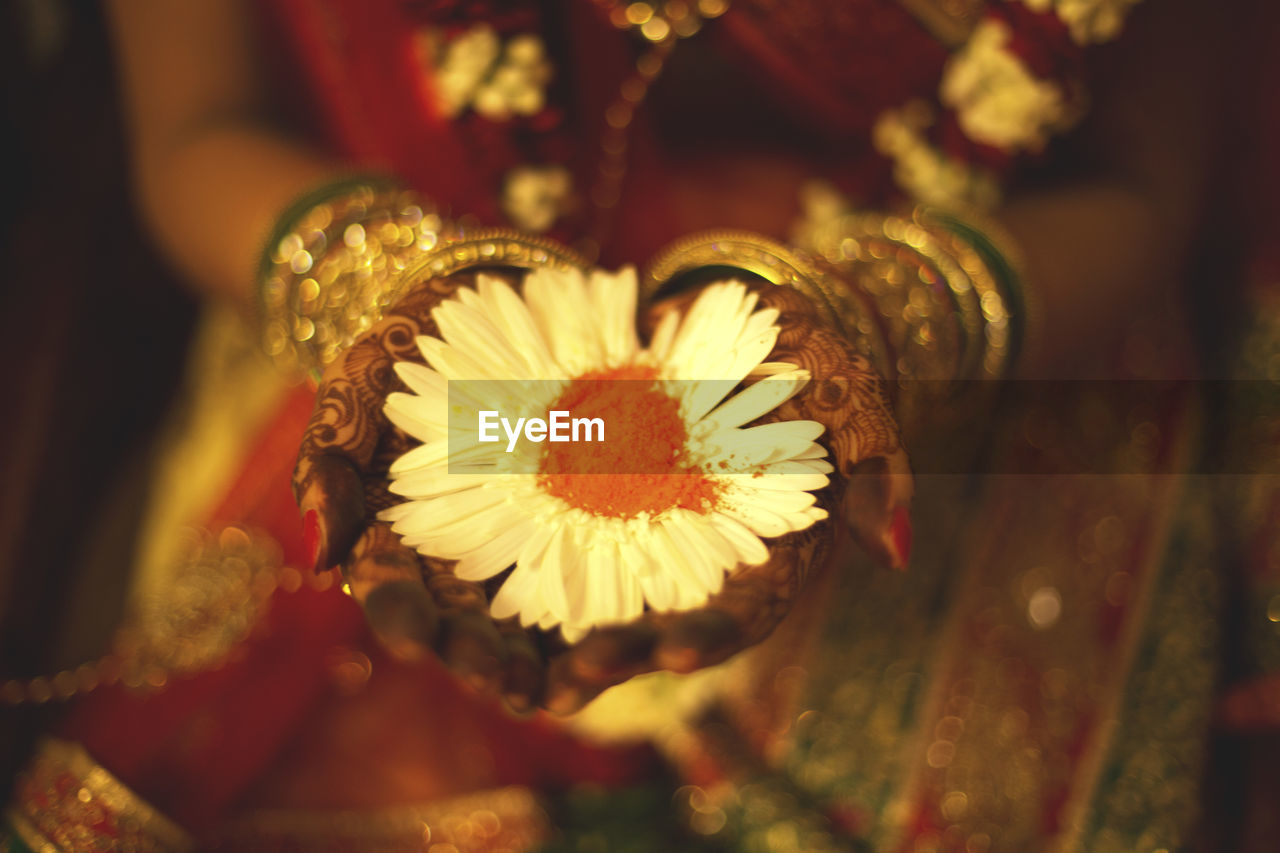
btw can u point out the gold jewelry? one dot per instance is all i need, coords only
(999, 253)
(947, 302)
(330, 270)
(221, 584)
(488, 247)
(776, 264)
(663, 25)
(663, 20)
(67, 801)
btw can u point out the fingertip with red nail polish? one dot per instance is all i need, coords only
(313, 540)
(900, 536)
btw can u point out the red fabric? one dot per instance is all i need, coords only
(201, 747)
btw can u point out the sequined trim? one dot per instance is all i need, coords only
(1145, 795)
(65, 801)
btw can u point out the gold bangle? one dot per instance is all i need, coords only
(920, 293)
(488, 247)
(1002, 257)
(948, 294)
(331, 270)
(776, 264)
(67, 801)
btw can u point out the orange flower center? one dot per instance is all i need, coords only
(642, 465)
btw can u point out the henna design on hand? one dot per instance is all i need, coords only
(417, 604)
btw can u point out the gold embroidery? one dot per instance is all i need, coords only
(66, 801)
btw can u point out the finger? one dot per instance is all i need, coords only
(612, 654)
(403, 617)
(853, 402)
(469, 642)
(348, 425)
(338, 445)
(385, 578)
(565, 692)
(700, 638)
(876, 506)
(331, 498)
(470, 645)
(524, 677)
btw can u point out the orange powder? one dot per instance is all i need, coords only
(642, 464)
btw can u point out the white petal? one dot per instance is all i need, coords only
(758, 322)
(672, 562)
(721, 550)
(801, 483)
(397, 512)
(423, 418)
(664, 335)
(613, 302)
(761, 521)
(764, 396)
(556, 299)
(574, 572)
(802, 467)
(551, 574)
(744, 449)
(603, 595)
(659, 590)
(425, 483)
(455, 364)
(422, 380)
(784, 502)
(573, 633)
(496, 554)
(469, 330)
(701, 558)
(517, 591)
(461, 522)
(749, 353)
(749, 547)
(631, 597)
(766, 369)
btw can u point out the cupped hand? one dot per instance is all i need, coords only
(416, 606)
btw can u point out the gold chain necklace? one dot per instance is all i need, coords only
(662, 25)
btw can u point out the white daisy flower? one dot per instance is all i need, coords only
(677, 494)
